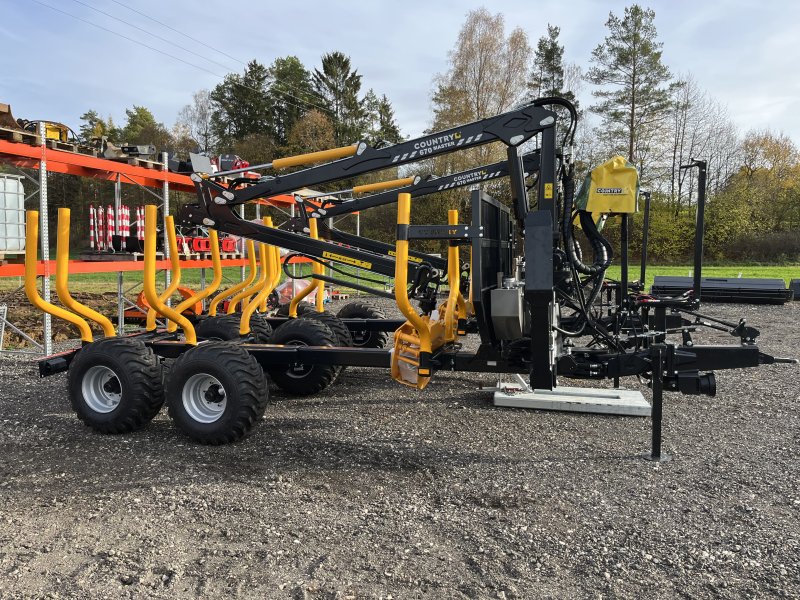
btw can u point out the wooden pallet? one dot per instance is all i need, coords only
(106, 256)
(71, 147)
(139, 256)
(139, 162)
(18, 135)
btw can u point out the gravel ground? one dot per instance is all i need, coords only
(374, 490)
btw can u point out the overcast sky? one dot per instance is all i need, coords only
(52, 66)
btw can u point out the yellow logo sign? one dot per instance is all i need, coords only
(411, 258)
(548, 191)
(347, 260)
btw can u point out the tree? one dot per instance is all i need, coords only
(635, 95)
(141, 127)
(241, 105)
(487, 71)
(312, 132)
(379, 119)
(95, 126)
(486, 76)
(195, 121)
(289, 94)
(337, 86)
(699, 127)
(547, 77)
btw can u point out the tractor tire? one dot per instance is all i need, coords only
(302, 309)
(338, 328)
(359, 309)
(216, 393)
(116, 385)
(226, 328)
(335, 324)
(299, 379)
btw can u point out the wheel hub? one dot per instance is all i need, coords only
(101, 389)
(204, 398)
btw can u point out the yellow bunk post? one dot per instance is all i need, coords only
(151, 214)
(273, 266)
(175, 269)
(276, 269)
(251, 256)
(316, 269)
(244, 295)
(451, 317)
(31, 251)
(211, 287)
(415, 340)
(62, 278)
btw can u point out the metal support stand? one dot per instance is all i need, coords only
(658, 396)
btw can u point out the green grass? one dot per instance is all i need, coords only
(107, 282)
(785, 272)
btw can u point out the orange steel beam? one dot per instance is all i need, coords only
(73, 163)
(82, 165)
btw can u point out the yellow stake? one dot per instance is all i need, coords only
(251, 255)
(151, 214)
(31, 251)
(316, 269)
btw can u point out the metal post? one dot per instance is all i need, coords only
(358, 233)
(167, 272)
(241, 245)
(657, 384)
(645, 236)
(120, 304)
(699, 227)
(120, 277)
(294, 265)
(45, 237)
(623, 243)
(203, 286)
(117, 204)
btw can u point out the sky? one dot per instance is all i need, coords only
(53, 66)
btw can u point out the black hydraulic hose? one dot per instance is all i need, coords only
(604, 252)
(567, 235)
(569, 136)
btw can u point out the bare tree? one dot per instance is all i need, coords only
(195, 118)
(487, 75)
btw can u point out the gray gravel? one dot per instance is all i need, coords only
(374, 490)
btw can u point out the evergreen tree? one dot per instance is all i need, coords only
(635, 93)
(289, 94)
(547, 76)
(338, 86)
(381, 126)
(241, 105)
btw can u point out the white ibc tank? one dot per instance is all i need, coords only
(12, 214)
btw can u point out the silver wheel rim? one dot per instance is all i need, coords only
(204, 398)
(101, 389)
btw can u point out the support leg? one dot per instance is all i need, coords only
(658, 396)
